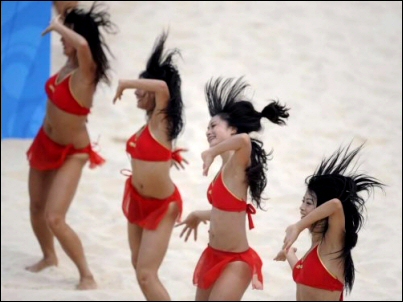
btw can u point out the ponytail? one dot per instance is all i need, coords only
(276, 113)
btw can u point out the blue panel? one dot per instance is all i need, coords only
(25, 66)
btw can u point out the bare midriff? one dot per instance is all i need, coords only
(66, 128)
(227, 231)
(152, 179)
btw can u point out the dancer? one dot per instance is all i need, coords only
(62, 146)
(152, 203)
(332, 211)
(228, 264)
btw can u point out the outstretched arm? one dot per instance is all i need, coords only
(192, 222)
(332, 209)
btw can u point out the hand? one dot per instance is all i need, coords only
(282, 256)
(119, 92)
(55, 21)
(191, 223)
(208, 159)
(291, 234)
(256, 284)
(63, 7)
(177, 158)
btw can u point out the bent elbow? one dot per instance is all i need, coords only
(245, 139)
(83, 45)
(337, 204)
(162, 89)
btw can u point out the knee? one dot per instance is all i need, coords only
(145, 277)
(55, 221)
(37, 208)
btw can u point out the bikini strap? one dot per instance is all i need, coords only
(250, 210)
(176, 156)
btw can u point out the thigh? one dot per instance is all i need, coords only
(232, 283)
(64, 185)
(134, 233)
(154, 243)
(202, 294)
(39, 183)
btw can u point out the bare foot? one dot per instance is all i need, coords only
(42, 264)
(87, 283)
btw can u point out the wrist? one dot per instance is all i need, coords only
(212, 152)
(123, 84)
(300, 226)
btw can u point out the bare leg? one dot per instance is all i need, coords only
(232, 283)
(39, 183)
(153, 247)
(134, 235)
(59, 200)
(202, 294)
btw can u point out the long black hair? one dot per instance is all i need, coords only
(160, 66)
(87, 24)
(331, 180)
(225, 98)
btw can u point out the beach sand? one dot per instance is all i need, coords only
(337, 65)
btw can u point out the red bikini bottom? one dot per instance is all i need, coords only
(45, 154)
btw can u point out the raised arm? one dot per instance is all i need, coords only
(159, 87)
(332, 209)
(86, 63)
(240, 143)
(62, 7)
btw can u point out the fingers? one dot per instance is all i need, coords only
(117, 97)
(183, 231)
(46, 31)
(205, 170)
(285, 243)
(179, 224)
(279, 258)
(188, 234)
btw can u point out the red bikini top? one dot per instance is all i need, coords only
(60, 94)
(146, 147)
(312, 272)
(223, 199)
